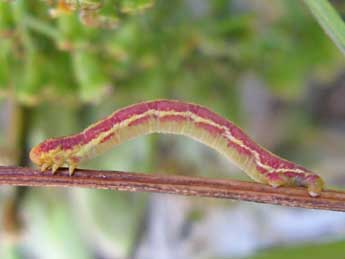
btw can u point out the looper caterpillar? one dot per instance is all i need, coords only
(175, 117)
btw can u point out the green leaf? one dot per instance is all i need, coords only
(90, 75)
(133, 6)
(330, 21)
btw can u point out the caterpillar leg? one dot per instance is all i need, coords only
(71, 168)
(72, 163)
(58, 161)
(276, 179)
(54, 168)
(44, 167)
(313, 182)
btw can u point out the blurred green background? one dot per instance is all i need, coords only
(266, 65)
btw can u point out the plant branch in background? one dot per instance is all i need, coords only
(181, 185)
(330, 21)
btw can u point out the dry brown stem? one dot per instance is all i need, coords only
(181, 185)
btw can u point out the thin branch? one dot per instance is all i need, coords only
(181, 185)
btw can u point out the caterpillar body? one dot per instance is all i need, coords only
(175, 117)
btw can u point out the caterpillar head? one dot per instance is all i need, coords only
(36, 156)
(49, 155)
(45, 156)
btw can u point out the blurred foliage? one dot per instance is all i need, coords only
(336, 250)
(194, 51)
(72, 62)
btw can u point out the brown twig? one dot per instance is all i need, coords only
(182, 185)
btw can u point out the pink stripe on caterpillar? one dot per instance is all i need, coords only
(139, 121)
(168, 116)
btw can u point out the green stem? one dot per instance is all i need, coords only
(330, 21)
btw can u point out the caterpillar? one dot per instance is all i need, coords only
(175, 117)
